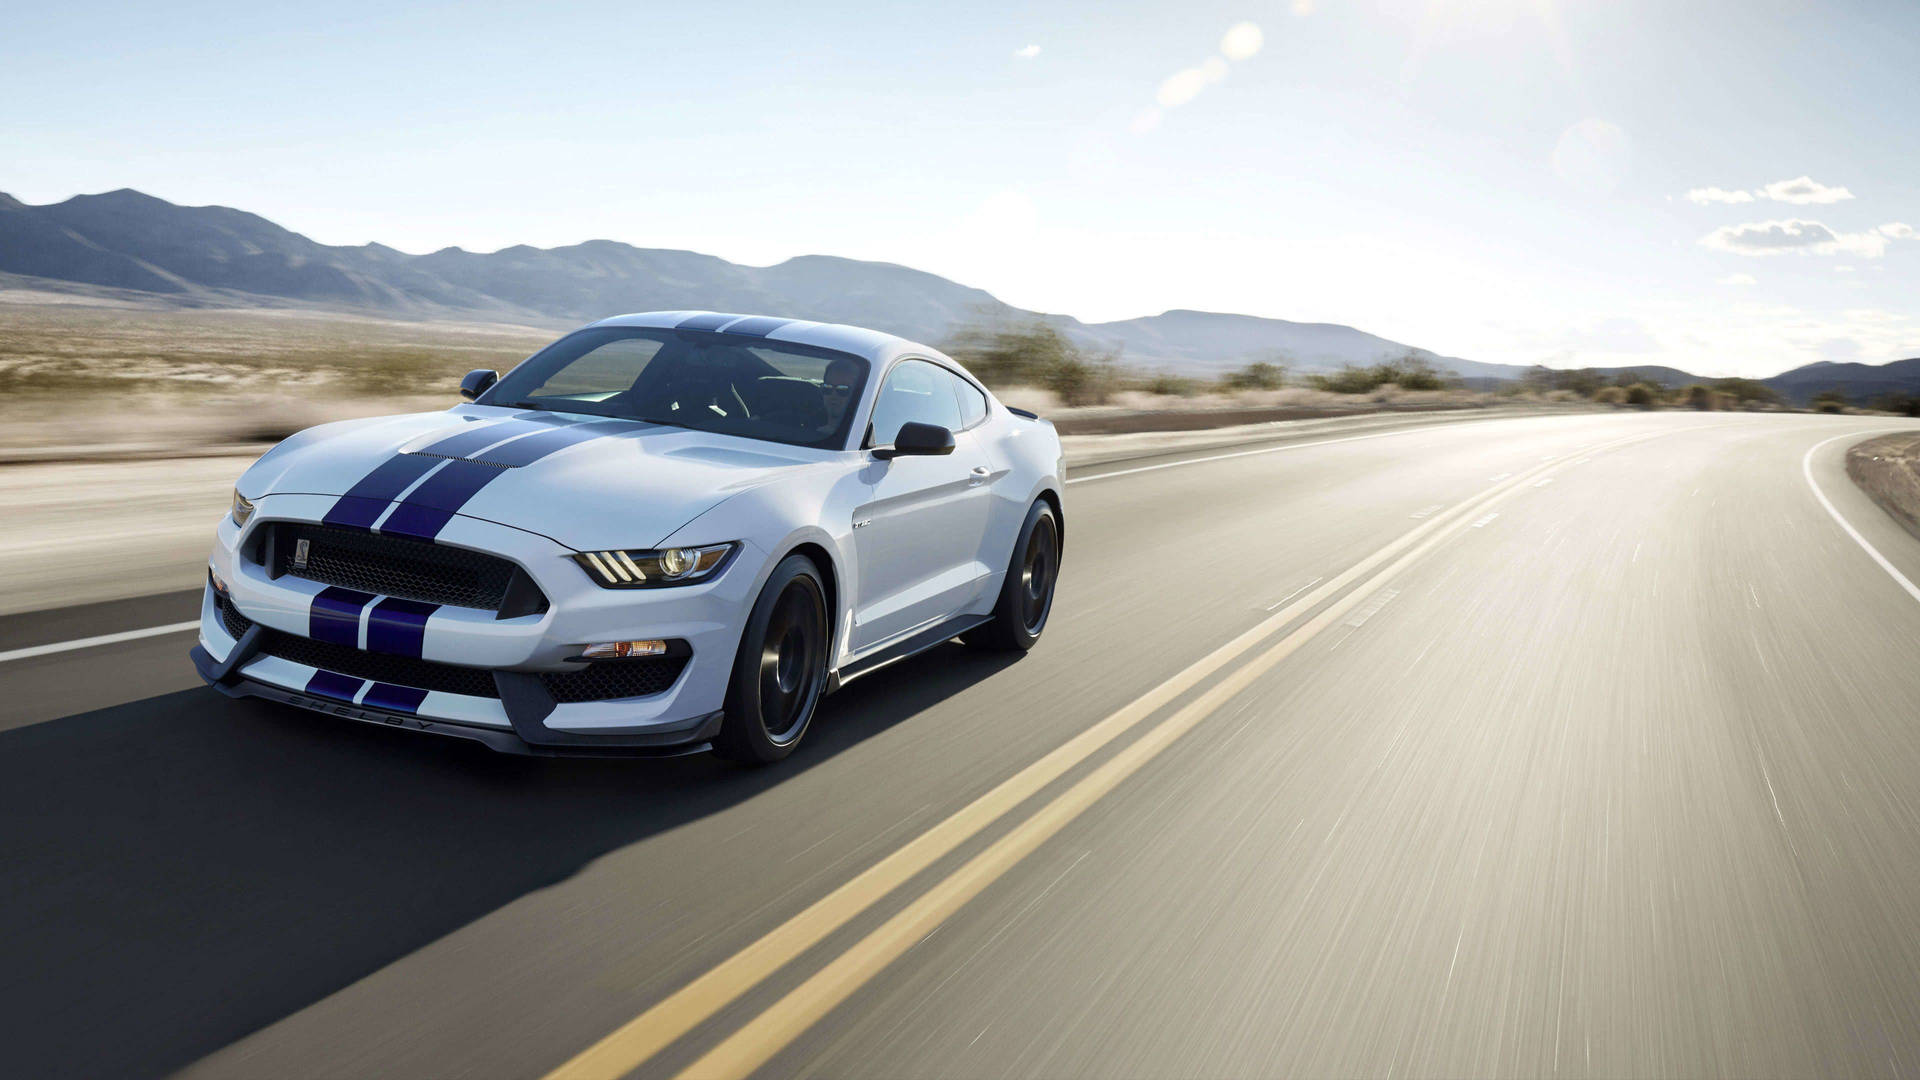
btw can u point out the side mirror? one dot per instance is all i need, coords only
(477, 382)
(917, 440)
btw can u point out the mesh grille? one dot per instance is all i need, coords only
(380, 667)
(607, 679)
(393, 565)
(231, 620)
(598, 681)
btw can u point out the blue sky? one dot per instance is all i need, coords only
(1567, 181)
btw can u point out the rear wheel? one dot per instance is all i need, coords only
(1026, 597)
(780, 669)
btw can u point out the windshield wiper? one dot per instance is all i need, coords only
(519, 405)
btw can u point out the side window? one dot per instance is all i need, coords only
(914, 391)
(973, 404)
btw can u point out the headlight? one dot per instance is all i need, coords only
(242, 509)
(654, 569)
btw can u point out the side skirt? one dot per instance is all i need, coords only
(937, 634)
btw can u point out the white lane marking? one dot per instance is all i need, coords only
(1372, 607)
(1806, 470)
(1543, 483)
(1261, 450)
(1293, 594)
(1426, 511)
(1500, 476)
(103, 639)
(1482, 523)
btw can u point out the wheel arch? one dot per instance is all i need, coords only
(1052, 498)
(829, 580)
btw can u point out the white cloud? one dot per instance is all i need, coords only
(1843, 269)
(1705, 195)
(1798, 236)
(1804, 191)
(1242, 41)
(1027, 52)
(1146, 120)
(1739, 279)
(1303, 8)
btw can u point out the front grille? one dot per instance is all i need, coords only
(379, 667)
(602, 680)
(392, 565)
(234, 623)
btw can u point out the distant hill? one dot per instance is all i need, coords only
(211, 254)
(1861, 383)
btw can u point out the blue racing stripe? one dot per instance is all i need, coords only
(434, 502)
(705, 322)
(334, 615)
(365, 501)
(534, 447)
(400, 699)
(334, 685)
(480, 436)
(758, 325)
(398, 626)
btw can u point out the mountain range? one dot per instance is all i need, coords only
(218, 256)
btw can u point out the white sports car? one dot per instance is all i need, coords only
(662, 533)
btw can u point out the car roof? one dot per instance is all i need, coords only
(872, 345)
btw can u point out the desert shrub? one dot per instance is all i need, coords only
(1348, 380)
(1036, 354)
(1080, 379)
(1643, 396)
(1611, 395)
(1260, 375)
(1698, 397)
(1898, 402)
(1171, 385)
(1830, 401)
(1748, 391)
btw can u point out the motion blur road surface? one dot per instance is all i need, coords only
(1579, 745)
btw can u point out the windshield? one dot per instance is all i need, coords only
(730, 384)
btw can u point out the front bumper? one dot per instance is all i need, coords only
(528, 734)
(503, 700)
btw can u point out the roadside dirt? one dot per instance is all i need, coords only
(1888, 470)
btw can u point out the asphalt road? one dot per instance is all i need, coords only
(1556, 746)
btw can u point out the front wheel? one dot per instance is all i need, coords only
(1026, 597)
(780, 669)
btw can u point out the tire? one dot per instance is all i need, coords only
(1026, 597)
(781, 668)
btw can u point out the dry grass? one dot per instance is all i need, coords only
(96, 374)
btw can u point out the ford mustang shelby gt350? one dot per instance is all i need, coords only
(661, 533)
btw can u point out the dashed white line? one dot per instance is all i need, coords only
(93, 642)
(1293, 594)
(1482, 523)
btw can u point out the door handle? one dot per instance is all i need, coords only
(979, 476)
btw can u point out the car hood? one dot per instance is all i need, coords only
(587, 482)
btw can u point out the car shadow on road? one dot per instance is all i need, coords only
(189, 868)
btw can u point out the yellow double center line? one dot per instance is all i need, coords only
(639, 1039)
